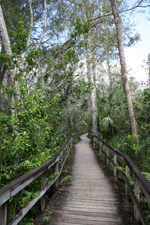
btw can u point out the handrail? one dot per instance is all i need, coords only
(11, 189)
(140, 182)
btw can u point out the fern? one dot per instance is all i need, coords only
(106, 122)
(147, 175)
(66, 179)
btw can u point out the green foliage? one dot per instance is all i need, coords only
(107, 122)
(147, 175)
(46, 216)
(80, 29)
(19, 39)
(27, 197)
(29, 144)
(31, 59)
(28, 221)
(65, 180)
(131, 145)
(38, 122)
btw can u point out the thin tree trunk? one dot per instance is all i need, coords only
(91, 75)
(7, 49)
(123, 66)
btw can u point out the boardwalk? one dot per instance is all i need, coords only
(93, 196)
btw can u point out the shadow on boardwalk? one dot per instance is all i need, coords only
(93, 196)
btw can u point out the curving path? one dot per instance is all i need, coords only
(93, 196)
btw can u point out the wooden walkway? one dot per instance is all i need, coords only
(92, 198)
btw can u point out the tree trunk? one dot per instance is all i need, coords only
(123, 66)
(7, 49)
(91, 74)
(94, 106)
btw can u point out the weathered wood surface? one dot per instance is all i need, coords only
(19, 184)
(139, 179)
(142, 181)
(93, 197)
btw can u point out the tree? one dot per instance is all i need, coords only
(123, 66)
(91, 65)
(7, 49)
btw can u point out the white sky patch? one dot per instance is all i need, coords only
(136, 54)
(134, 61)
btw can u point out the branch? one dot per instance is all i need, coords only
(144, 6)
(72, 2)
(59, 84)
(44, 30)
(122, 11)
(65, 44)
(31, 24)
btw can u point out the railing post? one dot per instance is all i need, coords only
(43, 198)
(78, 135)
(108, 156)
(103, 150)
(99, 147)
(57, 171)
(127, 174)
(70, 144)
(137, 194)
(4, 213)
(90, 135)
(62, 158)
(92, 139)
(98, 142)
(115, 170)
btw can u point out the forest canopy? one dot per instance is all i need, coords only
(63, 70)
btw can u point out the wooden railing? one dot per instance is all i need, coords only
(19, 184)
(140, 182)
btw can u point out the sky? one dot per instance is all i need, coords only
(136, 54)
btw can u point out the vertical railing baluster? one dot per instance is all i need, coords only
(100, 144)
(57, 171)
(115, 170)
(127, 174)
(4, 213)
(91, 139)
(108, 156)
(43, 198)
(137, 194)
(71, 143)
(103, 150)
(62, 160)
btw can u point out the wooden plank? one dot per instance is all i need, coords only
(24, 211)
(20, 183)
(91, 197)
(143, 182)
